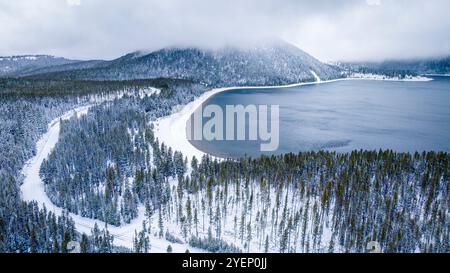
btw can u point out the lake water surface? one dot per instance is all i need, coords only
(347, 115)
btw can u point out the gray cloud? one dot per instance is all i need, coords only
(330, 30)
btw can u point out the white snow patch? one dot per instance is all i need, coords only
(315, 76)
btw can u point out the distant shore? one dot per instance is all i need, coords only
(172, 129)
(437, 75)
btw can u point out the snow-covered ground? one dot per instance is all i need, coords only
(33, 189)
(172, 131)
(315, 76)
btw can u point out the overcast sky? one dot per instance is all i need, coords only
(328, 29)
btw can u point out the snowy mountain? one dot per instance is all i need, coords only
(267, 64)
(18, 65)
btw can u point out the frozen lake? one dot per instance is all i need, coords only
(347, 115)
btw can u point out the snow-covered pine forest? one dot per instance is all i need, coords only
(26, 108)
(270, 63)
(108, 163)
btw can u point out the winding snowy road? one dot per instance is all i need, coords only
(33, 190)
(167, 129)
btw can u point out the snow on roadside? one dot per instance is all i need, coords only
(170, 129)
(33, 189)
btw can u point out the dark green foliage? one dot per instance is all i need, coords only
(213, 245)
(108, 161)
(26, 107)
(398, 199)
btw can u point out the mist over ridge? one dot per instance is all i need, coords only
(352, 30)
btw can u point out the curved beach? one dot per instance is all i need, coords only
(172, 129)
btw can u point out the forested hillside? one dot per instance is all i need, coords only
(107, 165)
(90, 169)
(393, 68)
(306, 202)
(274, 63)
(16, 65)
(26, 107)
